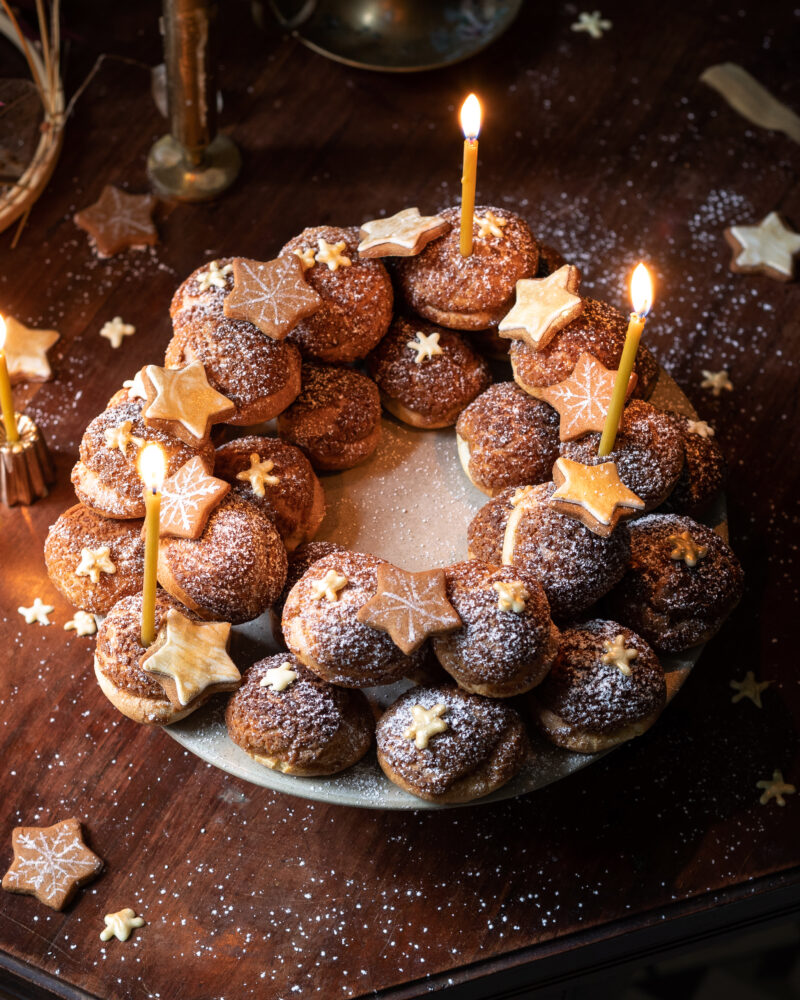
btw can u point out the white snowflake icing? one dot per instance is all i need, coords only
(185, 496)
(54, 863)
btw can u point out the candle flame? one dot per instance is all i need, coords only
(2, 333)
(152, 467)
(641, 290)
(471, 117)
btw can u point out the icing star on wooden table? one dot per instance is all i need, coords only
(328, 587)
(775, 789)
(120, 437)
(490, 225)
(617, 655)
(750, 688)
(115, 330)
(82, 622)
(26, 352)
(278, 678)
(188, 498)
(190, 658)
(716, 382)
(274, 296)
(686, 548)
(426, 345)
(700, 428)
(93, 562)
(51, 863)
(511, 595)
(543, 307)
(214, 276)
(118, 220)
(37, 612)
(120, 924)
(593, 494)
(259, 474)
(582, 399)
(180, 401)
(768, 248)
(427, 722)
(594, 24)
(410, 607)
(332, 254)
(404, 234)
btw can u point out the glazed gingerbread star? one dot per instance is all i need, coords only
(593, 494)
(768, 248)
(118, 220)
(410, 607)
(402, 235)
(274, 296)
(543, 307)
(188, 498)
(26, 351)
(181, 402)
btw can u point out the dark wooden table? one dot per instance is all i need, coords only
(614, 151)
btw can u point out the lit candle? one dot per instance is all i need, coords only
(642, 299)
(152, 469)
(6, 396)
(471, 126)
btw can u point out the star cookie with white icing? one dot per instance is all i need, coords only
(118, 220)
(190, 659)
(115, 331)
(410, 607)
(768, 248)
(543, 307)
(593, 494)
(120, 924)
(402, 235)
(273, 296)
(181, 401)
(188, 498)
(26, 352)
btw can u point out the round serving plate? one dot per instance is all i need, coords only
(411, 504)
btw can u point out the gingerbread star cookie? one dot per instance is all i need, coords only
(26, 351)
(410, 607)
(583, 399)
(543, 307)
(273, 296)
(190, 659)
(51, 863)
(593, 494)
(768, 248)
(181, 402)
(118, 220)
(402, 235)
(188, 498)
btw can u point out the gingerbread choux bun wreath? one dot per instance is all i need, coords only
(581, 572)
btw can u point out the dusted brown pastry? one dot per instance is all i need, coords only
(507, 438)
(600, 331)
(704, 469)
(286, 718)
(336, 419)
(426, 374)
(648, 451)
(279, 480)
(470, 293)
(506, 641)
(445, 745)
(575, 566)
(321, 627)
(106, 477)
(682, 582)
(233, 572)
(94, 561)
(356, 293)
(605, 687)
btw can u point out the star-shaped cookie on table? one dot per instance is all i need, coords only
(543, 307)
(410, 607)
(51, 863)
(118, 220)
(188, 498)
(404, 234)
(768, 248)
(274, 296)
(26, 351)
(190, 658)
(180, 401)
(583, 399)
(593, 494)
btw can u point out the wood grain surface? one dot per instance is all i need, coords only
(614, 151)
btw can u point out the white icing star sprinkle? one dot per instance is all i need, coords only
(278, 678)
(214, 276)
(775, 789)
(307, 257)
(328, 587)
(37, 612)
(332, 255)
(425, 346)
(716, 381)
(511, 595)
(135, 386)
(490, 225)
(120, 437)
(258, 475)
(427, 722)
(94, 562)
(115, 330)
(593, 24)
(120, 924)
(82, 622)
(618, 656)
(700, 427)
(749, 688)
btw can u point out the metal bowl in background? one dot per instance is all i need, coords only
(396, 36)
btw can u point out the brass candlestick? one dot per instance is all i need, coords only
(193, 162)
(26, 469)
